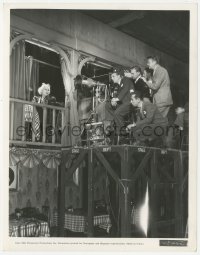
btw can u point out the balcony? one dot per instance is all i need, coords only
(36, 124)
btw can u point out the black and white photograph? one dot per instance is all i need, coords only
(99, 122)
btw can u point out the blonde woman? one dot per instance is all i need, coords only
(44, 91)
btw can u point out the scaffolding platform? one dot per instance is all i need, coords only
(163, 171)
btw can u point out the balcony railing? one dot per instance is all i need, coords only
(39, 124)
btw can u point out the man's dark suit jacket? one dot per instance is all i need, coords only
(125, 89)
(141, 86)
(161, 87)
(149, 114)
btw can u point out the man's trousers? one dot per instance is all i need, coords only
(117, 114)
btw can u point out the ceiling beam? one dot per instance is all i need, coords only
(127, 18)
(177, 52)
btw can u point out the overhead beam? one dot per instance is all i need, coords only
(176, 52)
(127, 18)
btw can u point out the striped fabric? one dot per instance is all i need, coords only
(103, 221)
(78, 223)
(28, 228)
(32, 116)
(36, 121)
(36, 126)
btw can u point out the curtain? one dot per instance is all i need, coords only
(24, 78)
(24, 74)
(18, 86)
(32, 77)
(34, 84)
(69, 89)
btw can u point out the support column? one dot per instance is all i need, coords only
(73, 116)
(125, 203)
(178, 174)
(61, 196)
(90, 231)
(154, 197)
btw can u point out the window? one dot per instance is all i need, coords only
(46, 68)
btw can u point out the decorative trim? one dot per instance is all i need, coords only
(19, 38)
(32, 157)
(51, 160)
(64, 55)
(84, 59)
(14, 34)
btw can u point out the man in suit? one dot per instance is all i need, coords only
(148, 74)
(119, 106)
(150, 123)
(139, 83)
(160, 85)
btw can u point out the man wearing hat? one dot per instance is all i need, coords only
(119, 106)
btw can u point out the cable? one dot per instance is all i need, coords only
(99, 76)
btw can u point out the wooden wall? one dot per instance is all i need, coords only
(37, 187)
(76, 30)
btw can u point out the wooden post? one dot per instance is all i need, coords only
(44, 124)
(77, 162)
(74, 60)
(178, 174)
(107, 166)
(23, 123)
(54, 126)
(63, 128)
(90, 232)
(61, 195)
(125, 204)
(154, 196)
(33, 124)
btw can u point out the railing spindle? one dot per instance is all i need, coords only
(44, 124)
(23, 122)
(33, 124)
(54, 126)
(62, 127)
(29, 115)
(63, 119)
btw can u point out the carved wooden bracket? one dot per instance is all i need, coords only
(17, 39)
(83, 60)
(63, 55)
